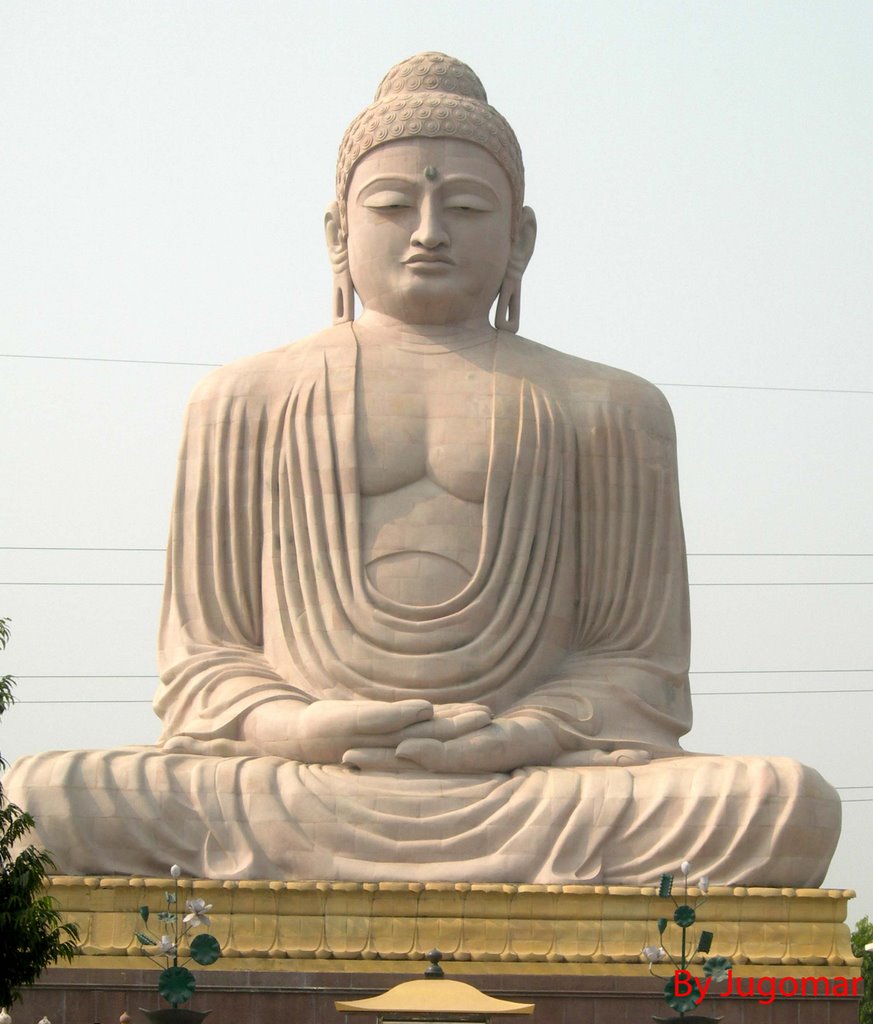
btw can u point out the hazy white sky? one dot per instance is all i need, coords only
(701, 175)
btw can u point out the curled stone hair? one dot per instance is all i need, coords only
(434, 96)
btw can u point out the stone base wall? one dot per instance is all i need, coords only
(93, 996)
(291, 949)
(320, 925)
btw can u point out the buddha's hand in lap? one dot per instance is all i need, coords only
(335, 731)
(499, 746)
(625, 758)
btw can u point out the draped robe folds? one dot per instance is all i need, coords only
(577, 613)
(577, 610)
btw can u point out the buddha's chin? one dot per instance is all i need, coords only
(437, 300)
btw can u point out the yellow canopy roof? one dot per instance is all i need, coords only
(437, 996)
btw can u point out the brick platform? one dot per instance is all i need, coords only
(291, 949)
(76, 996)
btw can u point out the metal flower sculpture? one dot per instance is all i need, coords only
(176, 983)
(713, 967)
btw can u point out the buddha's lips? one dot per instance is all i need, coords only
(421, 257)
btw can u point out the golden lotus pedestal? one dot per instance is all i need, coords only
(291, 949)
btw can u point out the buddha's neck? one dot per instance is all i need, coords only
(376, 329)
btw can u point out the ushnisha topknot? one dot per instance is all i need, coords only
(432, 95)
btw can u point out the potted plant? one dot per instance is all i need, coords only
(176, 983)
(714, 967)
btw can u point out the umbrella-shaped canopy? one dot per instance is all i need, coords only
(434, 997)
(438, 997)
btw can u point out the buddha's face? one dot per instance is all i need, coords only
(429, 230)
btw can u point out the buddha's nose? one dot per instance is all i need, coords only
(431, 231)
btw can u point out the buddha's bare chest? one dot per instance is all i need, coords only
(423, 436)
(425, 418)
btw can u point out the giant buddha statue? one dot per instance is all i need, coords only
(426, 610)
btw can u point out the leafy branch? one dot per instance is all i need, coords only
(33, 934)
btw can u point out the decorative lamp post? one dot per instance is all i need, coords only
(176, 983)
(714, 967)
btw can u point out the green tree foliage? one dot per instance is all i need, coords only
(863, 934)
(32, 934)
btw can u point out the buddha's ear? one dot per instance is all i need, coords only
(343, 296)
(507, 315)
(334, 234)
(523, 242)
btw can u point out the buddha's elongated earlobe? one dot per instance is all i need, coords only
(343, 294)
(507, 315)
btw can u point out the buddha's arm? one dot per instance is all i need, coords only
(625, 684)
(219, 693)
(621, 693)
(210, 648)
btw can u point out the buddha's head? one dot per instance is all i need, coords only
(429, 225)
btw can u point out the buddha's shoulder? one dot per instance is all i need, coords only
(583, 381)
(266, 373)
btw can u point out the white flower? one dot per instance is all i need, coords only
(703, 884)
(869, 947)
(685, 867)
(167, 946)
(655, 954)
(175, 871)
(198, 910)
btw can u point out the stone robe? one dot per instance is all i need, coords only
(577, 613)
(577, 610)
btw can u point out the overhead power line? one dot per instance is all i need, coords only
(661, 384)
(74, 583)
(767, 693)
(83, 701)
(830, 691)
(770, 671)
(107, 359)
(764, 387)
(25, 547)
(694, 693)
(136, 583)
(689, 554)
(797, 583)
(701, 693)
